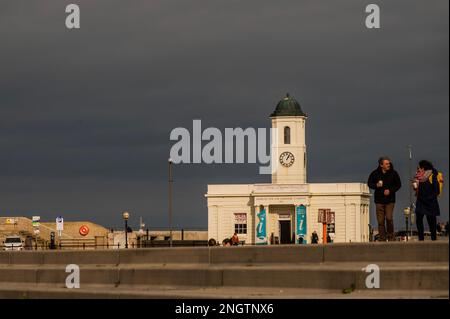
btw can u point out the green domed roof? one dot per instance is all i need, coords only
(288, 106)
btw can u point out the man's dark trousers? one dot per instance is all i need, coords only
(385, 218)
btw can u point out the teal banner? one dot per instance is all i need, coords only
(261, 234)
(301, 230)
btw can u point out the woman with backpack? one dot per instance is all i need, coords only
(427, 187)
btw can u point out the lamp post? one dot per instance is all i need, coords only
(36, 232)
(410, 189)
(170, 201)
(125, 216)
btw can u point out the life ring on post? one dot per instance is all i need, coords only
(84, 230)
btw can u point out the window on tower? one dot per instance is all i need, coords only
(287, 135)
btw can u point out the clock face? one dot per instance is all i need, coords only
(287, 159)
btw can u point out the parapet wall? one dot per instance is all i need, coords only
(357, 252)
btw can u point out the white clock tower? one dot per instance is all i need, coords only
(289, 149)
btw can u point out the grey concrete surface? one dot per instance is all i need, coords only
(398, 251)
(21, 291)
(414, 269)
(396, 276)
(371, 252)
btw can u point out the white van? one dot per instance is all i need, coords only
(13, 243)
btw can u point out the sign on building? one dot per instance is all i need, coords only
(59, 225)
(261, 234)
(331, 218)
(322, 216)
(11, 221)
(326, 216)
(35, 221)
(301, 229)
(331, 229)
(240, 218)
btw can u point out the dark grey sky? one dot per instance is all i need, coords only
(85, 115)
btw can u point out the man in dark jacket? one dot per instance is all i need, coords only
(314, 238)
(386, 182)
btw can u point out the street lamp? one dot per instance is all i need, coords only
(170, 201)
(410, 188)
(125, 216)
(36, 232)
(407, 212)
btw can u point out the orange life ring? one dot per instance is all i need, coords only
(84, 230)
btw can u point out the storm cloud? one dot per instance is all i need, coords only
(85, 115)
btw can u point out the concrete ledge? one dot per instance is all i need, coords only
(18, 275)
(89, 257)
(367, 252)
(396, 251)
(176, 277)
(25, 257)
(267, 254)
(394, 276)
(165, 255)
(4, 258)
(390, 279)
(87, 276)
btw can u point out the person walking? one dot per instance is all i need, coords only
(386, 182)
(427, 190)
(314, 238)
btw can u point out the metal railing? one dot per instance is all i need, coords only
(80, 245)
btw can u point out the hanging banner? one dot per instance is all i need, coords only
(261, 234)
(59, 225)
(301, 224)
(35, 221)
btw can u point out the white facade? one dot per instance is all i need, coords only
(235, 207)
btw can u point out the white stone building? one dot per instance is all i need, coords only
(278, 212)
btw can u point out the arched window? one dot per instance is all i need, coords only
(287, 135)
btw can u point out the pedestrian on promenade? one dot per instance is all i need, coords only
(427, 190)
(235, 240)
(386, 182)
(314, 238)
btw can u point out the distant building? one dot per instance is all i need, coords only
(87, 235)
(287, 209)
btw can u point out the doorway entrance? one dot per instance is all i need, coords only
(285, 231)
